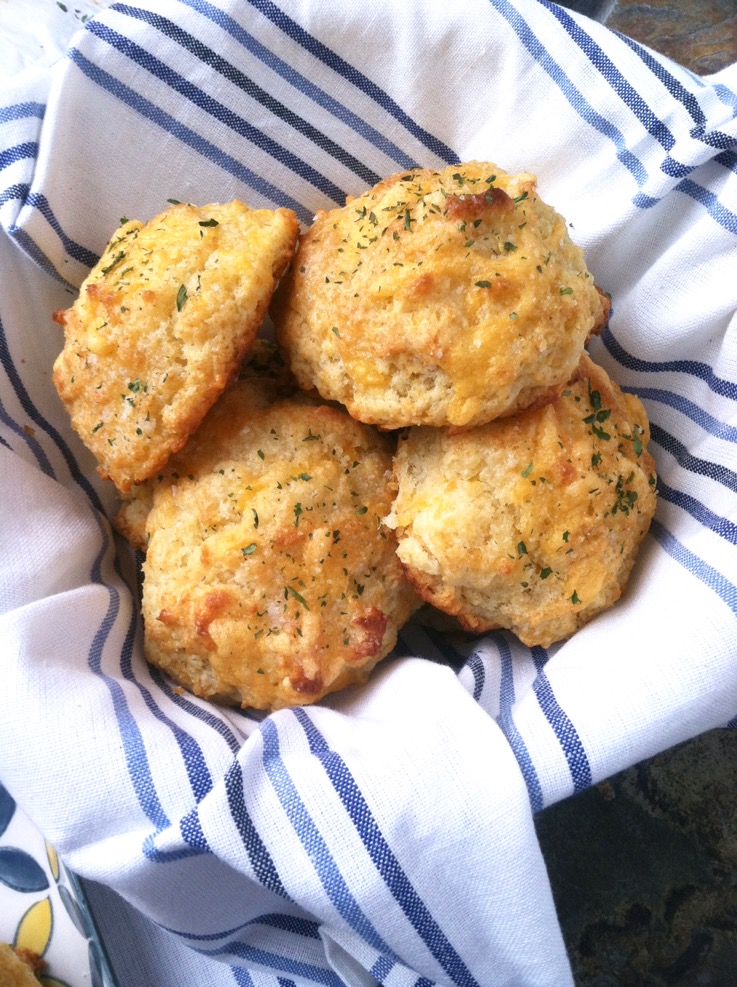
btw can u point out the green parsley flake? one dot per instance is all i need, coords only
(637, 441)
(626, 499)
(298, 597)
(113, 263)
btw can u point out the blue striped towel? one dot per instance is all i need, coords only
(385, 835)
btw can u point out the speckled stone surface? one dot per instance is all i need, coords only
(644, 870)
(699, 34)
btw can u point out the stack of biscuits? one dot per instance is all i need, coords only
(427, 428)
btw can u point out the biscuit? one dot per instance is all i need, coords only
(161, 325)
(532, 522)
(445, 298)
(18, 967)
(269, 578)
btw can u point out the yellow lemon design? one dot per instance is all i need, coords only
(34, 928)
(53, 858)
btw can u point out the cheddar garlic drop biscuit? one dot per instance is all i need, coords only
(269, 578)
(444, 298)
(161, 325)
(533, 522)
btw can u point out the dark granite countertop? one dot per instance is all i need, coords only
(644, 870)
(699, 34)
(644, 866)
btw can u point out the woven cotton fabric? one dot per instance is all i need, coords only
(386, 835)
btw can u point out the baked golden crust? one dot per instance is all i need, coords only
(533, 522)
(265, 365)
(269, 579)
(19, 967)
(161, 325)
(444, 298)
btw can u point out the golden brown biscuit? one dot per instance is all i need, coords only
(532, 522)
(269, 578)
(440, 298)
(161, 326)
(18, 968)
(265, 365)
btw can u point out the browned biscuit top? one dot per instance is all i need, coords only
(270, 579)
(161, 325)
(446, 297)
(532, 522)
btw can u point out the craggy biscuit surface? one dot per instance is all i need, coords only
(269, 578)
(161, 325)
(265, 366)
(444, 297)
(132, 514)
(530, 523)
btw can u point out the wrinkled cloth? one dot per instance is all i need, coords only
(386, 835)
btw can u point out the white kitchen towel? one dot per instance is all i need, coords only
(386, 835)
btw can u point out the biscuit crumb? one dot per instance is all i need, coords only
(20, 967)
